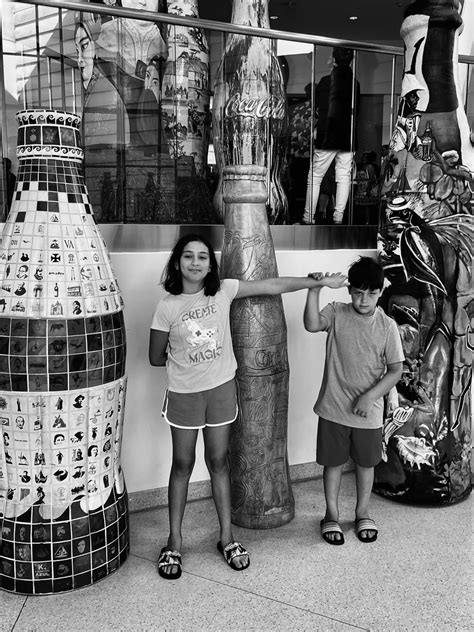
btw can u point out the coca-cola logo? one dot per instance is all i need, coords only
(268, 107)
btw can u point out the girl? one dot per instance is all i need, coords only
(190, 335)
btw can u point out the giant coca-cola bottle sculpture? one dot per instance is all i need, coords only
(243, 111)
(63, 502)
(250, 89)
(426, 243)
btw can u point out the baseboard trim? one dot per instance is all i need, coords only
(200, 490)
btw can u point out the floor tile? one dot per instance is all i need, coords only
(416, 576)
(10, 609)
(136, 598)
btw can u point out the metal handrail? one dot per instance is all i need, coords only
(171, 18)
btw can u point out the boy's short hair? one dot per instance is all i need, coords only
(366, 274)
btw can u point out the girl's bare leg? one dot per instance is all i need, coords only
(216, 444)
(184, 451)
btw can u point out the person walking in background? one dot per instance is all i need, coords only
(190, 335)
(333, 103)
(364, 358)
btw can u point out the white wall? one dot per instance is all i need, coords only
(146, 449)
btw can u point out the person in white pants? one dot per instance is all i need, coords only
(322, 159)
(333, 101)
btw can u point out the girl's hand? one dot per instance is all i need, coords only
(334, 280)
(316, 275)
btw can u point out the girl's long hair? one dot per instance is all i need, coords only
(171, 277)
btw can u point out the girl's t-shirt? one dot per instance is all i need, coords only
(200, 352)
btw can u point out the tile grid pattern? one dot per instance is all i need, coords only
(63, 501)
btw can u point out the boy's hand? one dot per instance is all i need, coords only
(316, 275)
(362, 405)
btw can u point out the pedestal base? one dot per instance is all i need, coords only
(278, 518)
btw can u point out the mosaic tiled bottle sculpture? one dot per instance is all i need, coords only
(426, 242)
(63, 503)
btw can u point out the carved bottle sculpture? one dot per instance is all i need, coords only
(426, 247)
(63, 502)
(244, 108)
(250, 89)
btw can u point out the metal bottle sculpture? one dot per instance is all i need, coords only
(186, 94)
(243, 111)
(426, 241)
(250, 89)
(63, 502)
(261, 487)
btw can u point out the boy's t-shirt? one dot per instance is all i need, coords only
(200, 353)
(358, 349)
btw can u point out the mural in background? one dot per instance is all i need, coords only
(250, 110)
(248, 102)
(186, 93)
(63, 502)
(122, 65)
(186, 111)
(426, 242)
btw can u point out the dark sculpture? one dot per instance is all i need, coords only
(426, 239)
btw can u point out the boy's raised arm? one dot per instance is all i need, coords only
(313, 321)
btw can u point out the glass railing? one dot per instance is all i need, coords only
(146, 89)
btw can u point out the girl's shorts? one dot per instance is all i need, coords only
(214, 407)
(336, 443)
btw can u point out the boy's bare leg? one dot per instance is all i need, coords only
(364, 483)
(332, 483)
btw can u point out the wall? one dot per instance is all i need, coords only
(146, 451)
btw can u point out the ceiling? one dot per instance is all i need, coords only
(377, 19)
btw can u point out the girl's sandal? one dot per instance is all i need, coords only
(232, 550)
(169, 558)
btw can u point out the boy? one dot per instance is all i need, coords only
(364, 358)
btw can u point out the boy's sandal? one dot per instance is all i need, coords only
(366, 524)
(169, 557)
(231, 551)
(331, 527)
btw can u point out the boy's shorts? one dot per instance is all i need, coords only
(214, 407)
(336, 443)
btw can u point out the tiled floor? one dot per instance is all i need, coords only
(417, 576)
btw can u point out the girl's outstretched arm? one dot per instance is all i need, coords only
(278, 285)
(157, 347)
(281, 285)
